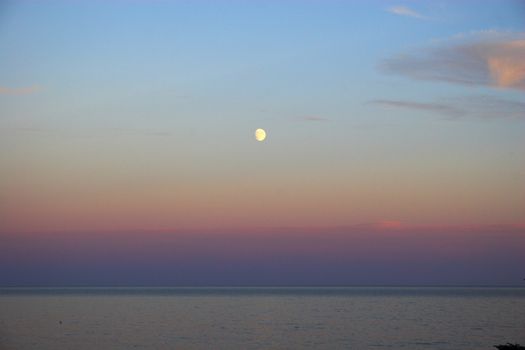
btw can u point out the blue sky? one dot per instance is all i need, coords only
(139, 115)
(190, 81)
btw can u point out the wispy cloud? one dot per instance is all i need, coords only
(489, 107)
(311, 118)
(405, 11)
(92, 132)
(388, 225)
(439, 108)
(4, 90)
(488, 58)
(482, 107)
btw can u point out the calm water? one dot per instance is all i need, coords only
(261, 318)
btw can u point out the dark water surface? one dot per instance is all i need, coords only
(261, 318)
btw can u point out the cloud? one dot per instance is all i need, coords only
(481, 106)
(405, 11)
(430, 107)
(93, 132)
(389, 224)
(312, 118)
(488, 58)
(507, 67)
(491, 107)
(19, 91)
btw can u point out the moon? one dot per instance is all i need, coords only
(260, 134)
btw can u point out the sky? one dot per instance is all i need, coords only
(394, 149)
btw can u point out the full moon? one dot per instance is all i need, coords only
(260, 134)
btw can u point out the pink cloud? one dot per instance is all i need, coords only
(389, 224)
(488, 58)
(507, 64)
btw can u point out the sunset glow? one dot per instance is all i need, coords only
(127, 142)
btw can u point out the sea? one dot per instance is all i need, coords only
(459, 318)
